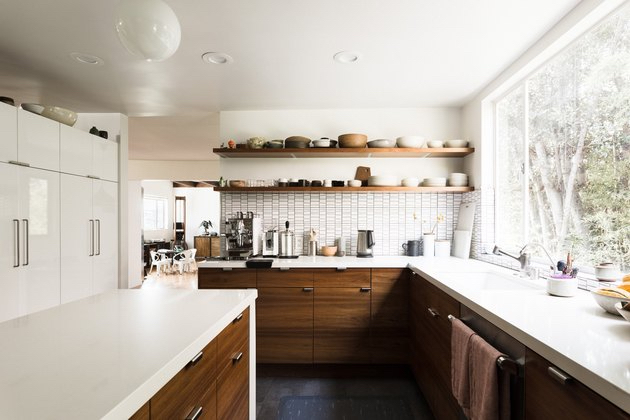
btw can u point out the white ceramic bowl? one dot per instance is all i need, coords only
(456, 143)
(61, 115)
(381, 143)
(354, 183)
(34, 108)
(608, 302)
(623, 309)
(434, 182)
(383, 181)
(410, 182)
(562, 287)
(410, 141)
(321, 143)
(607, 271)
(435, 144)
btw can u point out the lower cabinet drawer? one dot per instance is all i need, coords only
(182, 394)
(217, 278)
(233, 388)
(231, 339)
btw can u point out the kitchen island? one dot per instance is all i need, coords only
(574, 334)
(107, 355)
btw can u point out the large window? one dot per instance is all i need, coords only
(563, 151)
(155, 212)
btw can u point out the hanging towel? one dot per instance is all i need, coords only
(489, 386)
(460, 349)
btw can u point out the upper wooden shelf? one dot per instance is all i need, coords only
(334, 152)
(344, 189)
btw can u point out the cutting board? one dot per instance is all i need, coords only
(362, 174)
(466, 217)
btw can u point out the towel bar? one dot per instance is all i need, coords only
(503, 362)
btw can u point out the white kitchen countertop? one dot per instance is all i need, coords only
(573, 333)
(106, 355)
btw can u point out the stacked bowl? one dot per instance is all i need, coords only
(434, 182)
(458, 180)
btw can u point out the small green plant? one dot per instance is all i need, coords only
(206, 224)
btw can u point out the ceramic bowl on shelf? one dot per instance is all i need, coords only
(275, 144)
(434, 182)
(411, 141)
(456, 143)
(381, 143)
(383, 181)
(352, 140)
(410, 182)
(34, 108)
(256, 142)
(321, 143)
(237, 183)
(435, 144)
(297, 142)
(329, 251)
(354, 183)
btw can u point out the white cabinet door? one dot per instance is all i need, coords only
(75, 151)
(38, 141)
(105, 159)
(77, 242)
(39, 215)
(9, 246)
(8, 133)
(105, 202)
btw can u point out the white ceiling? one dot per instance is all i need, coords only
(415, 53)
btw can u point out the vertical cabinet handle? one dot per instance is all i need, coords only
(16, 243)
(25, 242)
(558, 375)
(433, 312)
(91, 237)
(98, 237)
(194, 414)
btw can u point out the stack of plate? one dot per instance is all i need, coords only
(458, 180)
(434, 182)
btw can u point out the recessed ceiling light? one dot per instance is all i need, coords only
(217, 58)
(346, 57)
(87, 59)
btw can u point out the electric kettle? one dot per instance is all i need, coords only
(365, 242)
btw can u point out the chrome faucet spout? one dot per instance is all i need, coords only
(523, 258)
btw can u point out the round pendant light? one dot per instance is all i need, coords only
(148, 29)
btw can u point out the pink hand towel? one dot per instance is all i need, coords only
(460, 348)
(489, 399)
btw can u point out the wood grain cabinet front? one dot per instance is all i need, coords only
(218, 278)
(552, 394)
(389, 327)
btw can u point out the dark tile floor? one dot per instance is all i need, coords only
(273, 398)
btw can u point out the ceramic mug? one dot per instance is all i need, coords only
(412, 248)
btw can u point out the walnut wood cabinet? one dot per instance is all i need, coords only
(219, 278)
(207, 246)
(552, 394)
(430, 332)
(285, 316)
(341, 316)
(389, 333)
(213, 385)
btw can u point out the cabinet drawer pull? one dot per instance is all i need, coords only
(237, 358)
(194, 414)
(238, 318)
(341, 268)
(307, 289)
(16, 162)
(16, 243)
(365, 289)
(197, 358)
(227, 268)
(433, 312)
(285, 268)
(558, 375)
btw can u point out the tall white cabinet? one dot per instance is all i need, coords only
(42, 207)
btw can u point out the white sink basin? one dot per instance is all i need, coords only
(491, 281)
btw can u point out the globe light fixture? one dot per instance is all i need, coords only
(148, 29)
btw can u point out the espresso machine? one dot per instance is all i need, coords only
(242, 236)
(270, 243)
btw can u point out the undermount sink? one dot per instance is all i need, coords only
(490, 281)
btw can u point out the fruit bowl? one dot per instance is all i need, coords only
(329, 251)
(607, 302)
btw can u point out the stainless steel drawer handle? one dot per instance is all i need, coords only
(433, 312)
(559, 375)
(307, 289)
(365, 289)
(285, 268)
(237, 358)
(341, 268)
(227, 268)
(194, 414)
(26, 242)
(238, 318)
(16, 243)
(197, 358)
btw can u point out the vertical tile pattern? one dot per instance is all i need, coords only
(394, 217)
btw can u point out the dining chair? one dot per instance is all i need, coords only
(185, 260)
(158, 261)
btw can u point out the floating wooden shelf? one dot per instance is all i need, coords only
(333, 152)
(345, 189)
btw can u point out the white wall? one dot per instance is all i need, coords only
(477, 124)
(160, 189)
(201, 204)
(174, 170)
(433, 123)
(134, 240)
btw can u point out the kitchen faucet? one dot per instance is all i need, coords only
(524, 257)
